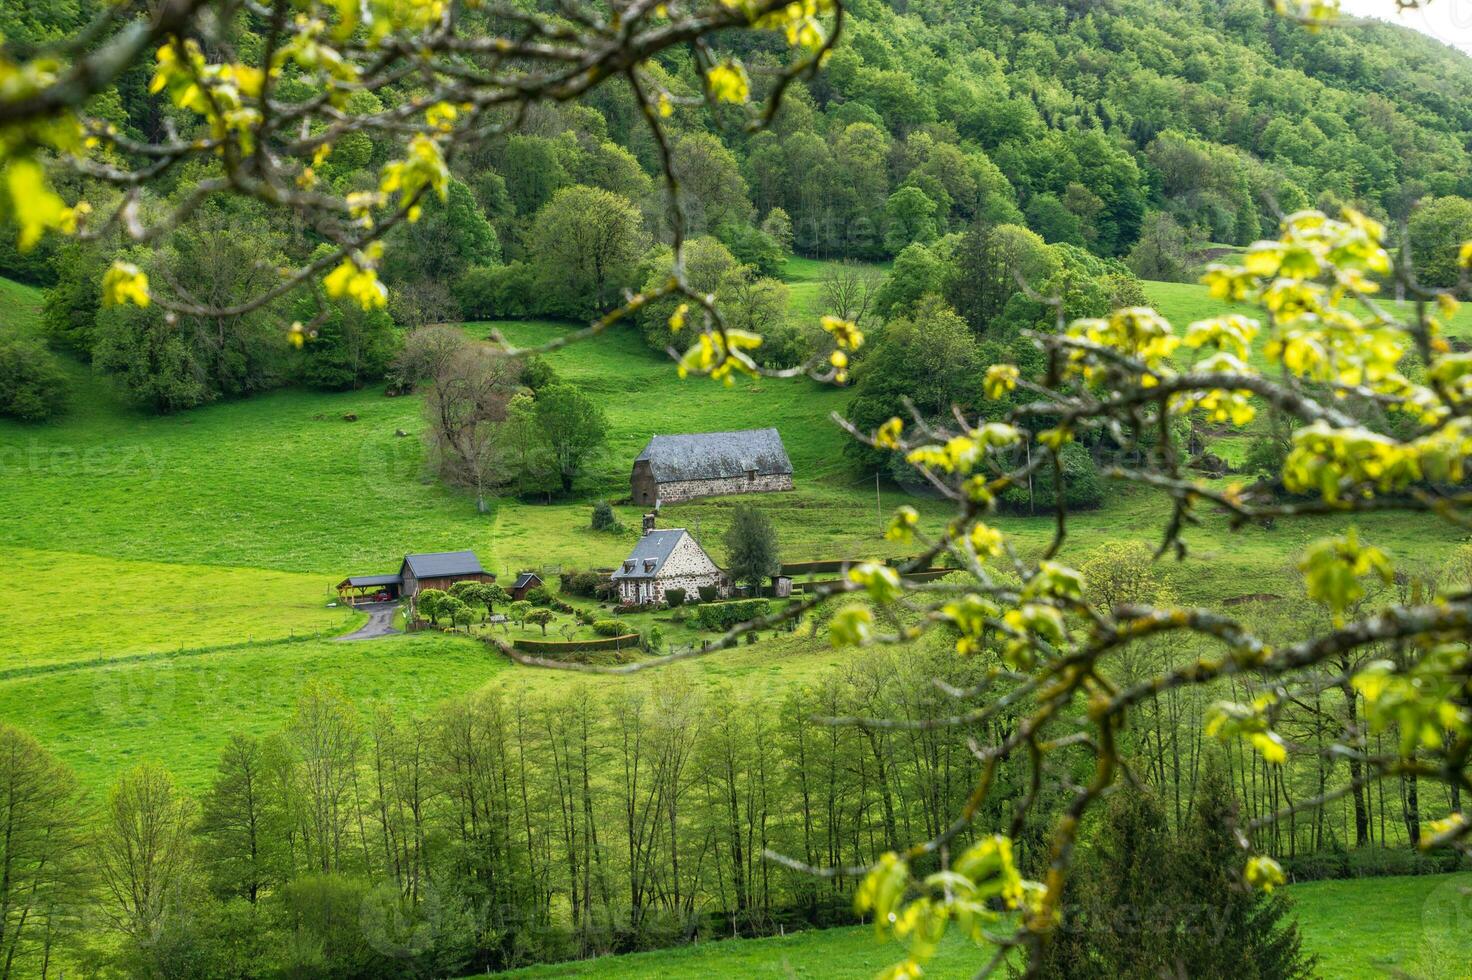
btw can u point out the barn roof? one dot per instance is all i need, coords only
(656, 546)
(525, 579)
(444, 564)
(716, 455)
(367, 580)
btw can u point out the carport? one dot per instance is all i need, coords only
(358, 589)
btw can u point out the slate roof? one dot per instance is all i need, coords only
(525, 579)
(366, 580)
(655, 546)
(716, 455)
(444, 564)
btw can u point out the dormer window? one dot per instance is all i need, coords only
(628, 566)
(649, 564)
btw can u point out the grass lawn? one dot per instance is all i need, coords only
(1378, 927)
(180, 710)
(804, 278)
(1366, 927)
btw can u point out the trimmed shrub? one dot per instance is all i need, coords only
(611, 627)
(675, 597)
(724, 615)
(539, 596)
(791, 568)
(708, 593)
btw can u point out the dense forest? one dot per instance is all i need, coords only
(1133, 132)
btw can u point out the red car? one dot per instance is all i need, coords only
(382, 597)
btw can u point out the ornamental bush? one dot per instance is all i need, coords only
(539, 596)
(612, 627)
(675, 597)
(708, 593)
(581, 583)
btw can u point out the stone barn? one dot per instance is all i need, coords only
(665, 559)
(708, 464)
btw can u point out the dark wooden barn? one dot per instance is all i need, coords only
(440, 570)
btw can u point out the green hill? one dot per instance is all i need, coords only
(230, 524)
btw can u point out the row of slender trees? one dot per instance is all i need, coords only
(496, 830)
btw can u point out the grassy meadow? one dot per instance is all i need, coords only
(1359, 929)
(196, 547)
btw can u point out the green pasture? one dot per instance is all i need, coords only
(1360, 928)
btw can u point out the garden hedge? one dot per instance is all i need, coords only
(724, 615)
(576, 646)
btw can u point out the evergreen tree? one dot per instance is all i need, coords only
(1240, 933)
(751, 547)
(1118, 920)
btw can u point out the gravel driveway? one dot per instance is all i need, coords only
(380, 622)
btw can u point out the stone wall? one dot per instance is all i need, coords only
(675, 491)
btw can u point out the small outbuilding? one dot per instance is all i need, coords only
(707, 464)
(665, 559)
(525, 582)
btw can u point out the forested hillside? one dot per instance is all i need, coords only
(1137, 130)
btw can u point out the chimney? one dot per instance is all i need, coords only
(649, 522)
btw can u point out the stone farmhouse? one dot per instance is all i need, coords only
(708, 464)
(667, 558)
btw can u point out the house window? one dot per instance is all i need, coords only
(628, 566)
(751, 476)
(649, 564)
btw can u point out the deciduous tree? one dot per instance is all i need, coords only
(575, 427)
(42, 848)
